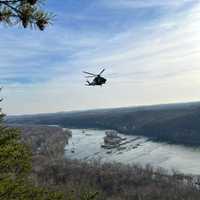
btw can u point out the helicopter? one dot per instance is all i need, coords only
(98, 79)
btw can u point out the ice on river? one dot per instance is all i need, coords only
(86, 145)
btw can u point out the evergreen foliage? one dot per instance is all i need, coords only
(28, 13)
(15, 165)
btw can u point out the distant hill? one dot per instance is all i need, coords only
(176, 123)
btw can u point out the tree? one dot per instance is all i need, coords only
(15, 165)
(28, 13)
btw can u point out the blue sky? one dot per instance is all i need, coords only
(150, 49)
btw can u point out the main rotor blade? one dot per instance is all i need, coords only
(101, 71)
(89, 73)
(89, 76)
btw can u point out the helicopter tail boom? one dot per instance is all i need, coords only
(88, 83)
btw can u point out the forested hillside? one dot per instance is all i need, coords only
(177, 123)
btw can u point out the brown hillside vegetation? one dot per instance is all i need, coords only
(109, 181)
(118, 181)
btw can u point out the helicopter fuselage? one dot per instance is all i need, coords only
(97, 81)
(97, 78)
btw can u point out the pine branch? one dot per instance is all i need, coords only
(26, 12)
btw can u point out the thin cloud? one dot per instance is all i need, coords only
(145, 3)
(155, 62)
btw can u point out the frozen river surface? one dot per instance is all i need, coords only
(86, 145)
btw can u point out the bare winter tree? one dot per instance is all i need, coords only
(27, 13)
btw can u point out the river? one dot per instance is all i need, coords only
(86, 145)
